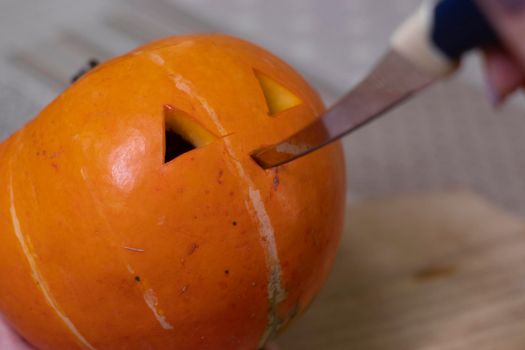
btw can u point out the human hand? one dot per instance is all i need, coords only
(10, 340)
(504, 75)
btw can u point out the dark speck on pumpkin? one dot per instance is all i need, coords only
(276, 180)
(193, 248)
(184, 289)
(137, 279)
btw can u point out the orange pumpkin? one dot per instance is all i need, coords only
(133, 217)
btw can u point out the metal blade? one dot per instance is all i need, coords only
(391, 81)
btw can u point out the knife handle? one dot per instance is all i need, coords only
(438, 34)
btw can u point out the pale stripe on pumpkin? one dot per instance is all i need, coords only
(255, 206)
(37, 275)
(153, 303)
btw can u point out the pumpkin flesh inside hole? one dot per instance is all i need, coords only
(176, 145)
(278, 98)
(182, 133)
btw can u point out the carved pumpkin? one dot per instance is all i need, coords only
(133, 217)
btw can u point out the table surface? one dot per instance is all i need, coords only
(435, 272)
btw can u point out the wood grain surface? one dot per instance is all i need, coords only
(436, 271)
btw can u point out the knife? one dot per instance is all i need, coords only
(425, 48)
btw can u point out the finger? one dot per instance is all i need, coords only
(9, 340)
(503, 75)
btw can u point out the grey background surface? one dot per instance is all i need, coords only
(449, 137)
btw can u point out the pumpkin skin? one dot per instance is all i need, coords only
(106, 246)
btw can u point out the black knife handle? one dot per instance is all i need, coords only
(460, 26)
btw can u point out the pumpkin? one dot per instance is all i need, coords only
(133, 216)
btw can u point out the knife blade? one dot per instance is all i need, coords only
(425, 48)
(393, 80)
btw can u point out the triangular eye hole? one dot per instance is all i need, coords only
(182, 133)
(278, 98)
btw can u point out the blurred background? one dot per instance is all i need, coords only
(449, 138)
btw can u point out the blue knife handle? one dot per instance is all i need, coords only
(460, 26)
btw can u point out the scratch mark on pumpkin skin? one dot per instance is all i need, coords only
(37, 275)
(152, 301)
(137, 250)
(255, 206)
(83, 174)
(149, 300)
(156, 58)
(130, 269)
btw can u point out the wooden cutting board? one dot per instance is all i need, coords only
(437, 271)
